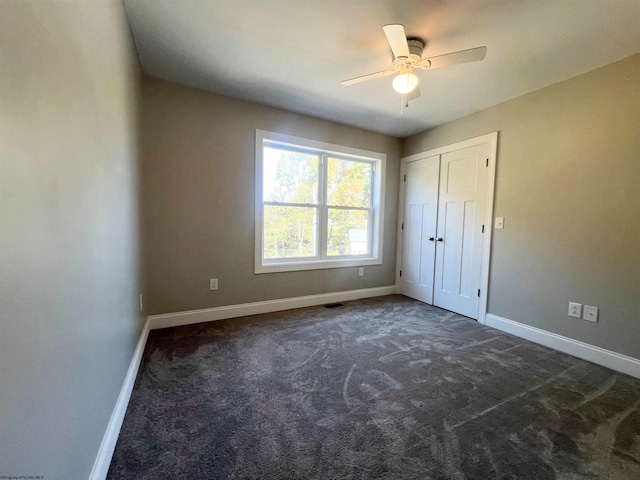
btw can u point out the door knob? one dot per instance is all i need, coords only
(439, 239)
(430, 239)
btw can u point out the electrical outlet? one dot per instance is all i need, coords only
(590, 313)
(213, 284)
(575, 309)
(361, 271)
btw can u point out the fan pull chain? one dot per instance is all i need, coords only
(404, 102)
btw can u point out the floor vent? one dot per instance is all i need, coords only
(334, 305)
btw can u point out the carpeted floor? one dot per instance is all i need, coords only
(384, 388)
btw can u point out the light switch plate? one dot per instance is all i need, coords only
(590, 313)
(213, 284)
(499, 223)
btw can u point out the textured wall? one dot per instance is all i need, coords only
(568, 179)
(198, 152)
(68, 230)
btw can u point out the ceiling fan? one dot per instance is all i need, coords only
(407, 53)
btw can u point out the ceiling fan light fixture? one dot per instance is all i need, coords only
(405, 83)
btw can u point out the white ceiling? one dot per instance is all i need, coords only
(293, 54)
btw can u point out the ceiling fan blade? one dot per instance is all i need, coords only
(397, 40)
(463, 56)
(413, 94)
(371, 76)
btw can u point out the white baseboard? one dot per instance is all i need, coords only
(241, 310)
(108, 445)
(591, 353)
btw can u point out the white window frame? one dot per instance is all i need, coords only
(321, 261)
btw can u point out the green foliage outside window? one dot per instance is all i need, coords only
(293, 178)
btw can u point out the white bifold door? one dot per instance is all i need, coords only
(443, 231)
(420, 214)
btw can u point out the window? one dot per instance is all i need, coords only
(318, 205)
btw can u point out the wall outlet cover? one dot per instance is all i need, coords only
(213, 284)
(590, 313)
(575, 309)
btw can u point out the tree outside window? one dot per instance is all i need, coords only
(318, 208)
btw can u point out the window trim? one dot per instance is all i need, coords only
(377, 159)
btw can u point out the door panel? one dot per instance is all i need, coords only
(468, 238)
(461, 176)
(445, 261)
(421, 209)
(463, 189)
(413, 223)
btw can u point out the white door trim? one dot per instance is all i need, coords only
(492, 140)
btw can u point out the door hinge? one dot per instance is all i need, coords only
(403, 226)
(405, 178)
(478, 292)
(487, 162)
(482, 228)
(400, 272)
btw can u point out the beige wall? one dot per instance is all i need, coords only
(198, 150)
(568, 185)
(68, 230)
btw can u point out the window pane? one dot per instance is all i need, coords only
(290, 176)
(289, 231)
(349, 183)
(348, 232)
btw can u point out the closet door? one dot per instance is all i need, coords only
(463, 190)
(420, 213)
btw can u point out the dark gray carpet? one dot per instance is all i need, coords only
(385, 388)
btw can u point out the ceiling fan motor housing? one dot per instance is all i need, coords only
(416, 47)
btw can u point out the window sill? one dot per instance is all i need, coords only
(316, 265)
